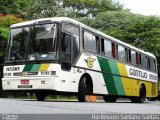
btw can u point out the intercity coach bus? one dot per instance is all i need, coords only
(63, 56)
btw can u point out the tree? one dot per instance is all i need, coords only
(45, 8)
(5, 22)
(83, 8)
(17, 7)
(71, 8)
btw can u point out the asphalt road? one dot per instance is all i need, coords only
(21, 106)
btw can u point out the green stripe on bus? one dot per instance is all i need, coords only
(35, 68)
(117, 79)
(27, 68)
(108, 78)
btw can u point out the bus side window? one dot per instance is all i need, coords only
(107, 48)
(153, 65)
(148, 64)
(113, 50)
(137, 58)
(121, 53)
(140, 60)
(89, 41)
(129, 55)
(97, 44)
(144, 61)
(102, 46)
(133, 57)
(126, 54)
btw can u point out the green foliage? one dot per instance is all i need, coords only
(5, 22)
(45, 8)
(84, 8)
(3, 40)
(7, 6)
(115, 24)
(71, 8)
(17, 7)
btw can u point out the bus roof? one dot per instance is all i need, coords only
(60, 19)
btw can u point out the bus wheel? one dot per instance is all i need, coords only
(141, 97)
(109, 98)
(40, 96)
(82, 90)
(153, 99)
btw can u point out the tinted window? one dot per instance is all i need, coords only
(129, 56)
(140, 60)
(66, 45)
(137, 58)
(133, 57)
(153, 65)
(97, 44)
(144, 61)
(70, 28)
(89, 42)
(74, 31)
(113, 50)
(126, 54)
(121, 53)
(107, 48)
(75, 47)
(18, 42)
(148, 64)
(43, 42)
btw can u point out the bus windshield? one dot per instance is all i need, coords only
(38, 42)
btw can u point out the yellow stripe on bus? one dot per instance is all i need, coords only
(132, 86)
(43, 67)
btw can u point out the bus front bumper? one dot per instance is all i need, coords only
(30, 83)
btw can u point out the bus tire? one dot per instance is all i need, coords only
(40, 96)
(82, 90)
(142, 96)
(153, 99)
(109, 98)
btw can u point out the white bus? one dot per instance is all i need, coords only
(63, 56)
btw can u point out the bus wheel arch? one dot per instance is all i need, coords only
(142, 95)
(85, 87)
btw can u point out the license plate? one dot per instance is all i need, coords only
(24, 86)
(24, 82)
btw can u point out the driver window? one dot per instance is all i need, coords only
(74, 31)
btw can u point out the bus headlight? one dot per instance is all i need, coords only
(45, 73)
(7, 83)
(53, 72)
(48, 73)
(44, 82)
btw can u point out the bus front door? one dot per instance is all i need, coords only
(66, 52)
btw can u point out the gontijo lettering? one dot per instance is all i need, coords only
(137, 73)
(141, 74)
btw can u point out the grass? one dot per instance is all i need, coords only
(48, 97)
